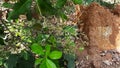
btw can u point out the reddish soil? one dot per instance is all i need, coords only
(101, 26)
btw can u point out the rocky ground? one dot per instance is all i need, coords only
(102, 59)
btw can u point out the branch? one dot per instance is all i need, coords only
(4, 23)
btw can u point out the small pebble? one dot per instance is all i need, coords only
(102, 54)
(107, 62)
(117, 63)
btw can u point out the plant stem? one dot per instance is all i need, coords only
(38, 8)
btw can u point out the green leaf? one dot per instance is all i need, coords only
(1, 61)
(41, 38)
(46, 7)
(25, 55)
(36, 48)
(43, 64)
(77, 1)
(50, 64)
(63, 16)
(46, 63)
(70, 29)
(47, 47)
(12, 60)
(60, 3)
(29, 15)
(7, 5)
(38, 61)
(52, 40)
(1, 41)
(55, 55)
(21, 7)
(22, 63)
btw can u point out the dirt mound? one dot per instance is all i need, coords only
(101, 25)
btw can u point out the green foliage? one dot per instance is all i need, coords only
(55, 55)
(43, 50)
(63, 16)
(1, 61)
(71, 30)
(47, 48)
(38, 61)
(12, 61)
(21, 7)
(52, 40)
(70, 59)
(44, 61)
(19, 60)
(34, 44)
(47, 64)
(22, 62)
(50, 64)
(1, 41)
(46, 7)
(43, 64)
(1, 35)
(60, 3)
(69, 33)
(41, 38)
(77, 1)
(36, 48)
(7, 5)
(25, 55)
(1, 29)
(108, 5)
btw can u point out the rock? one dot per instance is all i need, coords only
(101, 26)
(107, 62)
(103, 53)
(108, 56)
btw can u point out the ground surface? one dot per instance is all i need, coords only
(101, 51)
(101, 59)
